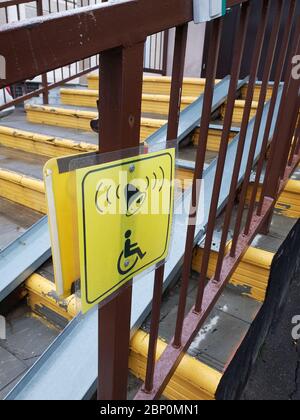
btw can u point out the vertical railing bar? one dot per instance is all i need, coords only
(40, 12)
(241, 143)
(18, 12)
(161, 50)
(150, 51)
(247, 110)
(297, 137)
(259, 114)
(285, 159)
(165, 52)
(120, 97)
(239, 45)
(289, 142)
(4, 95)
(154, 327)
(6, 15)
(155, 53)
(291, 101)
(277, 79)
(295, 144)
(282, 110)
(177, 81)
(215, 40)
(287, 81)
(173, 124)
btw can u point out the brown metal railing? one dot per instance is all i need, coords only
(13, 12)
(120, 110)
(155, 54)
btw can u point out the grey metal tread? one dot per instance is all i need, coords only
(23, 256)
(28, 164)
(46, 270)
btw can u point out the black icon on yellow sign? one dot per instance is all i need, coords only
(130, 255)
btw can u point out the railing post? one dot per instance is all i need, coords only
(121, 74)
(165, 53)
(40, 12)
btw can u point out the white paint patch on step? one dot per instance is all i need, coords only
(208, 328)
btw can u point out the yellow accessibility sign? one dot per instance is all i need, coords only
(124, 221)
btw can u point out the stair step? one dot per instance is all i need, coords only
(80, 120)
(252, 274)
(288, 203)
(40, 144)
(160, 85)
(151, 104)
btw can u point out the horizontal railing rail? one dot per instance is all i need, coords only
(155, 58)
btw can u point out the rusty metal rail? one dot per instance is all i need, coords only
(14, 10)
(120, 113)
(155, 53)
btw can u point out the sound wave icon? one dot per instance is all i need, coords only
(132, 194)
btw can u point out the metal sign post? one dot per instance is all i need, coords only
(120, 95)
(120, 205)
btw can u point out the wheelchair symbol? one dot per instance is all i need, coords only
(130, 255)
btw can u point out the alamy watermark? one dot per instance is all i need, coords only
(149, 196)
(296, 67)
(296, 329)
(2, 328)
(2, 67)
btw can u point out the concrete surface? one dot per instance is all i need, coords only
(224, 329)
(276, 374)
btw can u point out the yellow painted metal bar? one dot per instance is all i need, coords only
(80, 120)
(191, 86)
(23, 190)
(192, 379)
(159, 104)
(251, 275)
(213, 140)
(257, 92)
(42, 294)
(41, 144)
(152, 104)
(239, 110)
